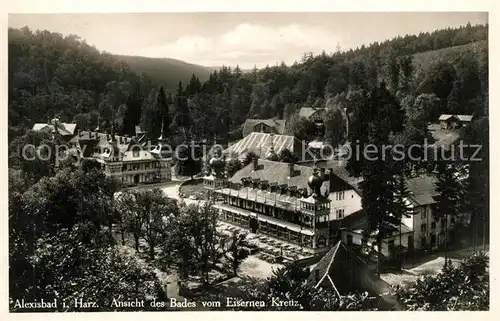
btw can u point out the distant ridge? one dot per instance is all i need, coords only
(166, 72)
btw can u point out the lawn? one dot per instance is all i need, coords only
(193, 187)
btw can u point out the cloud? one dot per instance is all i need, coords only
(249, 45)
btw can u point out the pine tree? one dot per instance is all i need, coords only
(182, 116)
(162, 105)
(448, 200)
(374, 123)
(401, 208)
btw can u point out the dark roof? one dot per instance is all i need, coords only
(277, 124)
(275, 172)
(342, 269)
(422, 189)
(260, 144)
(339, 168)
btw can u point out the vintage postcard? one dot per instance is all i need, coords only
(248, 161)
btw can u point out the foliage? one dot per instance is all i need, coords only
(234, 251)
(287, 156)
(456, 288)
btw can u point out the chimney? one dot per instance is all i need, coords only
(322, 173)
(291, 169)
(255, 162)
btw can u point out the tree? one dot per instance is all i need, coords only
(233, 165)
(401, 207)
(335, 127)
(34, 154)
(152, 206)
(162, 105)
(249, 157)
(130, 219)
(476, 186)
(300, 127)
(234, 251)
(182, 116)
(373, 125)
(67, 270)
(286, 156)
(464, 287)
(197, 240)
(448, 199)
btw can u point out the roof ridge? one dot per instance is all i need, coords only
(335, 249)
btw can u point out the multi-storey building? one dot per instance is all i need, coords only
(283, 200)
(428, 229)
(124, 158)
(420, 230)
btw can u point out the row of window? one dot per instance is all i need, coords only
(423, 227)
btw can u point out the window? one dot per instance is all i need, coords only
(424, 213)
(391, 245)
(340, 196)
(349, 239)
(433, 225)
(340, 213)
(136, 153)
(423, 228)
(147, 165)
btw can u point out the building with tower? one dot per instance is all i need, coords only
(297, 204)
(124, 158)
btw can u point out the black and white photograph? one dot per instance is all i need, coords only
(248, 161)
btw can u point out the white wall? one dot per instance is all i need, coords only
(418, 220)
(351, 203)
(357, 239)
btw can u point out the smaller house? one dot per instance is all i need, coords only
(270, 126)
(66, 131)
(344, 272)
(398, 237)
(448, 121)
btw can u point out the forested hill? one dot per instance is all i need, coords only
(54, 75)
(166, 72)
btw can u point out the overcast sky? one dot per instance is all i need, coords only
(247, 39)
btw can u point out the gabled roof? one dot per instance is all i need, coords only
(338, 167)
(65, 129)
(277, 124)
(465, 118)
(123, 143)
(260, 144)
(346, 272)
(422, 189)
(307, 112)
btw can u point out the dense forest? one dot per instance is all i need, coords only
(50, 75)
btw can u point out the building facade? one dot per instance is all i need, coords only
(124, 158)
(283, 200)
